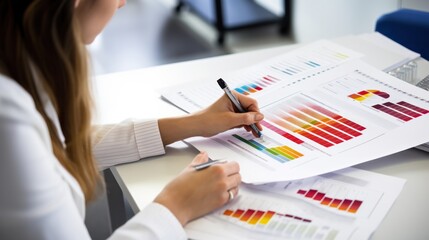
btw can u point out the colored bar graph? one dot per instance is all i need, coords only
(259, 217)
(351, 206)
(365, 94)
(256, 85)
(281, 154)
(392, 112)
(412, 107)
(313, 122)
(402, 109)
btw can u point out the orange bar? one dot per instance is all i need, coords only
(228, 212)
(335, 203)
(238, 213)
(266, 218)
(256, 217)
(326, 201)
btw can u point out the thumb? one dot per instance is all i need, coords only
(200, 158)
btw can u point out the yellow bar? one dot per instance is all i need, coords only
(292, 151)
(266, 218)
(256, 217)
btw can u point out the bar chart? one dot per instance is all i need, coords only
(268, 147)
(284, 69)
(401, 110)
(345, 196)
(272, 217)
(311, 121)
(348, 205)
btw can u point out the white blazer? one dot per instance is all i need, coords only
(39, 199)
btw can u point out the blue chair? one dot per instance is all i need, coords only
(410, 28)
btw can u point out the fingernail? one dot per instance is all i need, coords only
(258, 117)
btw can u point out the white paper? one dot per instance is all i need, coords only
(270, 75)
(348, 204)
(327, 125)
(327, 117)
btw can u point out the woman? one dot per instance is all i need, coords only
(48, 148)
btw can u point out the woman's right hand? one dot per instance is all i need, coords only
(195, 193)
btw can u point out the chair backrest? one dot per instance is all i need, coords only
(410, 28)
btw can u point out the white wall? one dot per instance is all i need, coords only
(316, 19)
(416, 4)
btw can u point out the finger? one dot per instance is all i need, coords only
(230, 168)
(233, 181)
(246, 118)
(248, 103)
(234, 192)
(200, 158)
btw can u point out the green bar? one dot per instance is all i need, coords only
(271, 151)
(246, 141)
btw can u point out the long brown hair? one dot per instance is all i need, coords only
(41, 39)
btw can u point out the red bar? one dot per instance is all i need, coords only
(415, 108)
(402, 109)
(281, 132)
(362, 92)
(268, 79)
(306, 220)
(288, 215)
(319, 196)
(258, 88)
(335, 132)
(355, 206)
(335, 203)
(325, 135)
(238, 213)
(345, 205)
(337, 117)
(316, 139)
(392, 112)
(344, 128)
(326, 201)
(302, 192)
(247, 215)
(351, 124)
(311, 193)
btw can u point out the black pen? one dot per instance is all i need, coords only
(236, 103)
